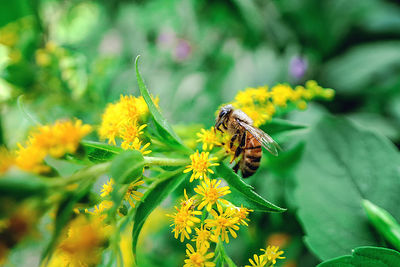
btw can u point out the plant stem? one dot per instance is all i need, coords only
(151, 161)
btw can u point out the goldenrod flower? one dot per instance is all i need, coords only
(184, 219)
(131, 194)
(200, 165)
(107, 187)
(100, 209)
(281, 93)
(203, 235)
(137, 144)
(128, 109)
(242, 214)
(208, 138)
(130, 132)
(83, 244)
(222, 223)
(259, 261)
(272, 253)
(211, 193)
(60, 138)
(7, 159)
(198, 257)
(30, 158)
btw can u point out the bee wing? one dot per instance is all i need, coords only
(263, 138)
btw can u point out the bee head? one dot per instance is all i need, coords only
(223, 115)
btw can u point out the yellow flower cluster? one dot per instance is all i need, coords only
(123, 120)
(271, 254)
(218, 225)
(55, 140)
(83, 243)
(262, 103)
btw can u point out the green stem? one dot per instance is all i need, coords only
(151, 161)
(89, 173)
(102, 168)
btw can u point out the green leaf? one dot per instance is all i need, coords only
(127, 166)
(100, 152)
(353, 71)
(243, 193)
(154, 195)
(276, 126)
(163, 126)
(63, 167)
(342, 165)
(366, 257)
(384, 222)
(20, 185)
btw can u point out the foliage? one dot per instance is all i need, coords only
(103, 156)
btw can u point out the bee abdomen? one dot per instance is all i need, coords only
(251, 156)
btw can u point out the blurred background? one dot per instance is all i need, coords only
(70, 58)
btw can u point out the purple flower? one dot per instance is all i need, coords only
(298, 67)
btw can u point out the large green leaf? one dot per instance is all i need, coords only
(100, 152)
(342, 165)
(276, 126)
(127, 166)
(366, 257)
(154, 195)
(163, 126)
(353, 71)
(243, 194)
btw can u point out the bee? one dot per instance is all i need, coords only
(249, 137)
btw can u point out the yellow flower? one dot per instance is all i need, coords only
(281, 93)
(225, 142)
(259, 261)
(60, 138)
(222, 223)
(200, 165)
(272, 253)
(184, 219)
(83, 243)
(211, 193)
(100, 209)
(208, 138)
(55, 140)
(131, 194)
(128, 109)
(137, 144)
(107, 188)
(198, 257)
(242, 214)
(130, 132)
(203, 234)
(30, 158)
(7, 159)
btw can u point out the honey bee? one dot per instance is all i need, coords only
(250, 139)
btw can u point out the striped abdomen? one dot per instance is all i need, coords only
(251, 156)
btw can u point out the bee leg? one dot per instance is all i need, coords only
(242, 145)
(236, 167)
(233, 140)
